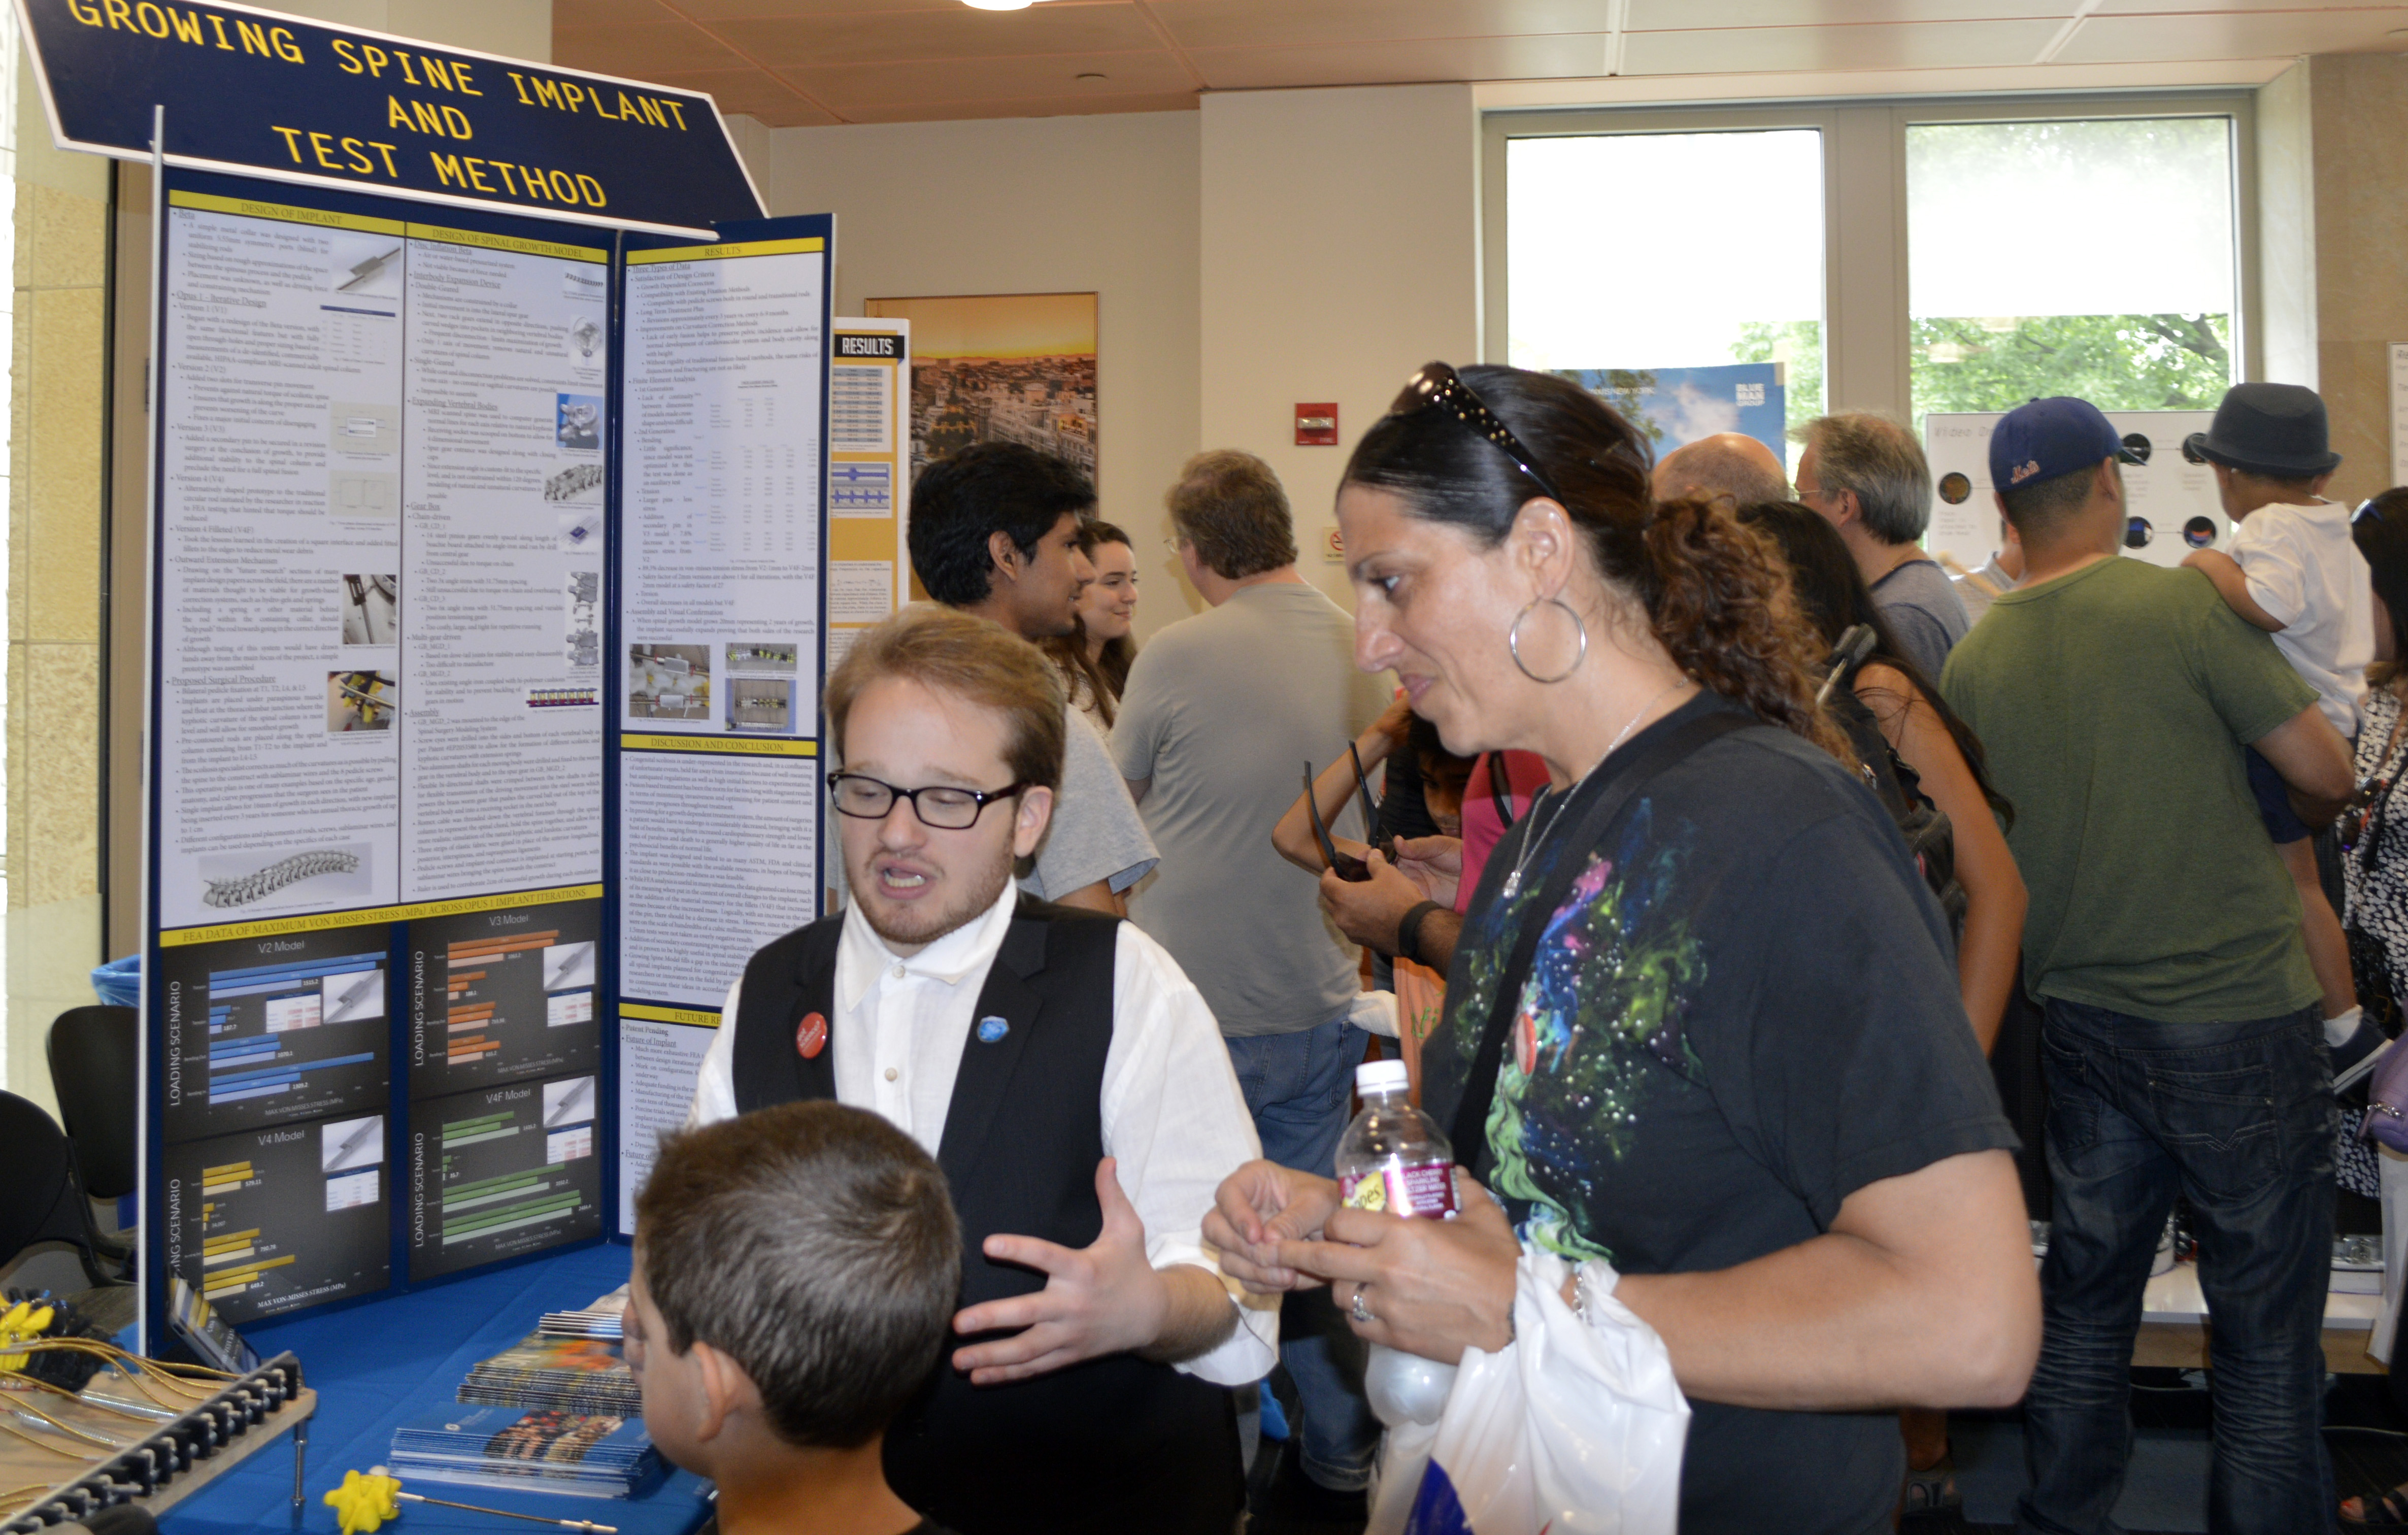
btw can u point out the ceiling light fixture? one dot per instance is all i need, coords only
(999, 5)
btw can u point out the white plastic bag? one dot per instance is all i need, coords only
(1576, 1428)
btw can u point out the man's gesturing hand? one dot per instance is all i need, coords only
(1104, 1298)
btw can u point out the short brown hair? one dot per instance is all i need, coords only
(973, 658)
(816, 1245)
(1233, 509)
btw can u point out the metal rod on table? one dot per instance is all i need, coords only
(300, 1461)
(505, 1513)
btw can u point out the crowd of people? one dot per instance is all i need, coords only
(1720, 835)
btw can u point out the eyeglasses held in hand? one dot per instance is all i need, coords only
(940, 807)
(1437, 386)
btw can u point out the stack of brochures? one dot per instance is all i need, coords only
(507, 1447)
(582, 1375)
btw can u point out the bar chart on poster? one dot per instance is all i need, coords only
(502, 1172)
(269, 1220)
(498, 997)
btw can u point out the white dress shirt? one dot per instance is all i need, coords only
(1172, 1113)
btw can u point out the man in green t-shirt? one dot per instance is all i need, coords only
(2183, 1043)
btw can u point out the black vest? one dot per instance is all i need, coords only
(1111, 1446)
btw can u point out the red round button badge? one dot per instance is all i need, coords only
(811, 1035)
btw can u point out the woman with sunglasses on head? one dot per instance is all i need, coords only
(1703, 1038)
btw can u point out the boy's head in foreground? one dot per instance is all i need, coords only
(797, 1271)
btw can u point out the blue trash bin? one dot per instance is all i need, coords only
(119, 983)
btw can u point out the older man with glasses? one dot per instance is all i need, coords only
(1866, 475)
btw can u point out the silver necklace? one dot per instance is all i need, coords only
(1530, 839)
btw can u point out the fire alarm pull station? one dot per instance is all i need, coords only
(1316, 425)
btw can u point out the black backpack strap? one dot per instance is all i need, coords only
(1588, 823)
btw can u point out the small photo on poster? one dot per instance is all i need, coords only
(371, 609)
(668, 682)
(344, 1144)
(580, 422)
(575, 483)
(569, 1102)
(761, 705)
(585, 339)
(364, 266)
(272, 879)
(361, 700)
(761, 655)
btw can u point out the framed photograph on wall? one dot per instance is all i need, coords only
(1012, 367)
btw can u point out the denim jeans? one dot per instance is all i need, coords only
(1298, 1087)
(2239, 1117)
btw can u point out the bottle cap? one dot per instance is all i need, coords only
(1382, 1077)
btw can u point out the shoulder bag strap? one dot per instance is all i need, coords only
(1593, 822)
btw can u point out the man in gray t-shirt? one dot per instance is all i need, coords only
(1220, 717)
(1865, 474)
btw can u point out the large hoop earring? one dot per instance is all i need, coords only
(1514, 640)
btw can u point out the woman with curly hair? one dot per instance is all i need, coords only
(1703, 1038)
(1095, 655)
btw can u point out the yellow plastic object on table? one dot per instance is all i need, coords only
(363, 1501)
(22, 1323)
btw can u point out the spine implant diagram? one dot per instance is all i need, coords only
(246, 888)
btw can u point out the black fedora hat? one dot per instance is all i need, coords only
(2275, 430)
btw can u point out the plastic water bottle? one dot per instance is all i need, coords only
(1393, 1159)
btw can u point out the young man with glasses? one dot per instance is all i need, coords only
(1065, 1075)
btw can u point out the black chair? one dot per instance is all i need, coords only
(97, 1072)
(40, 1200)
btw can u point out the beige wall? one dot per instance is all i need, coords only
(1342, 251)
(2358, 109)
(54, 602)
(1105, 205)
(1238, 276)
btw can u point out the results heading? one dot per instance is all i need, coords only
(263, 93)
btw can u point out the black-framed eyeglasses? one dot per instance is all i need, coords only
(940, 807)
(1436, 387)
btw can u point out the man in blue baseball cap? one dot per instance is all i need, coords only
(2183, 1042)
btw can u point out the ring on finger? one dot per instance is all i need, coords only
(1361, 1312)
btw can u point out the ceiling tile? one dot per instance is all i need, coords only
(640, 52)
(846, 87)
(1705, 15)
(956, 33)
(1253, 24)
(753, 92)
(1383, 63)
(1922, 45)
(597, 13)
(933, 112)
(2126, 40)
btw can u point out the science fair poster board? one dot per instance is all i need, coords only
(2170, 500)
(723, 613)
(383, 879)
(869, 476)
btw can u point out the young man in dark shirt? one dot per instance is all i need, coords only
(795, 1280)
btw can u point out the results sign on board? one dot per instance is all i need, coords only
(268, 95)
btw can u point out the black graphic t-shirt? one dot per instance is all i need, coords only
(1743, 1013)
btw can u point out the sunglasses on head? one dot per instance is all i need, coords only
(1436, 387)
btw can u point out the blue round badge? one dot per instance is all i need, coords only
(992, 1029)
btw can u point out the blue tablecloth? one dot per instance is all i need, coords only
(374, 1366)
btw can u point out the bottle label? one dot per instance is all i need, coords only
(1425, 1190)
